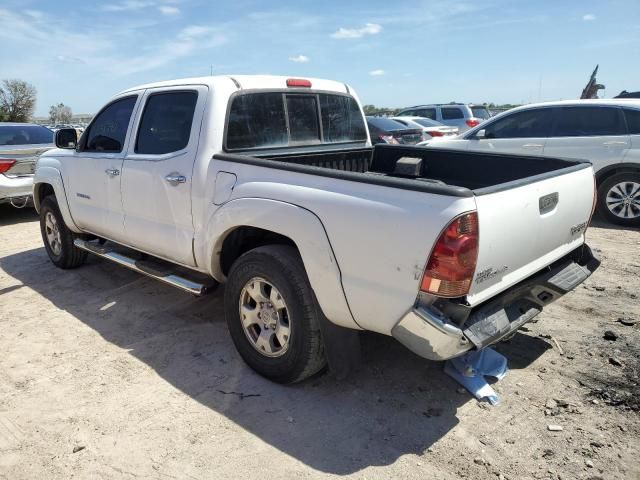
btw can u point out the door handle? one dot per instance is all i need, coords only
(532, 145)
(112, 172)
(175, 178)
(614, 143)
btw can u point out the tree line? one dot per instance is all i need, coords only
(18, 101)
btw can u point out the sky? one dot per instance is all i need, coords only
(394, 53)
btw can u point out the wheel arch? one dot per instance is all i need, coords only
(47, 181)
(610, 170)
(246, 223)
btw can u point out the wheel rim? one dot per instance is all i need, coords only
(52, 232)
(623, 200)
(265, 317)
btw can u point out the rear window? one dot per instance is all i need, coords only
(589, 121)
(24, 135)
(451, 113)
(271, 120)
(633, 121)
(480, 112)
(385, 124)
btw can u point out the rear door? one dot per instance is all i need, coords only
(594, 133)
(524, 228)
(524, 132)
(157, 172)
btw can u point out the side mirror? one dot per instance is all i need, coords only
(480, 134)
(67, 138)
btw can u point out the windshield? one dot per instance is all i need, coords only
(279, 119)
(24, 135)
(480, 112)
(425, 122)
(385, 124)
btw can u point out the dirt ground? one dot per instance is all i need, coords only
(108, 374)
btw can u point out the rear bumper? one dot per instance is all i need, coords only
(12, 187)
(433, 334)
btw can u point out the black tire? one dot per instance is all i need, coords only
(603, 191)
(282, 267)
(69, 255)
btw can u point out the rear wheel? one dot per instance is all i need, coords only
(57, 238)
(273, 316)
(619, 199)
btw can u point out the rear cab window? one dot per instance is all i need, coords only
(286, 119)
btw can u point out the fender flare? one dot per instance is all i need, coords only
(303, 227)
(51, 176)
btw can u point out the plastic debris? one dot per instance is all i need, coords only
(471, 369)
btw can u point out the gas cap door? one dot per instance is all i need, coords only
(225, 181)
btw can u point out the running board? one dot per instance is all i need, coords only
(162, 273)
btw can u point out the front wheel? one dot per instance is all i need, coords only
(619, 199)
(273, 316)
(57, 238)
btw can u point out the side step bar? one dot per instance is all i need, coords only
(140, 266)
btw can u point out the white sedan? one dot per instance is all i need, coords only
(430, 128)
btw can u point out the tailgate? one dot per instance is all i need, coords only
(525, 227)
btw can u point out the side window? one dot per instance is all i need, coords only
(451, 113)
(427, 113)
(166, 122)
(528, 124)
(633, 121)
(589, 121)
(407, 113)
(109, 129)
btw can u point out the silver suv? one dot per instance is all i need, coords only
(463, 116)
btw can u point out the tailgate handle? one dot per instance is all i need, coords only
(548, 203)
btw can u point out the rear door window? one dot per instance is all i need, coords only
(451, 113)
(108, 130)
(427, 113)
(633, 121)
(589, 122)
(534, 123)
(166, 122)
(24, 135)
(272, 120)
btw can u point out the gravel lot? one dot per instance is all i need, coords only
(108, 374)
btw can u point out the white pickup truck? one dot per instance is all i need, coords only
(270, 185)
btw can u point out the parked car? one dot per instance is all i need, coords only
(269, 184)
(430, 128)
(385, 130)
(605, 132)
(457, 115)
(20, 146)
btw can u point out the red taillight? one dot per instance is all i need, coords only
(298, 82)
(473, 122)
(389, 139)
(453, 259)
(436, 134)
(6, 164)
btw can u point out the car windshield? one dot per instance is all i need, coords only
(480, 112)
(385, 124)
(24, 135)
(425, 122)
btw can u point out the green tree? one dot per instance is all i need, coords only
(17, 100)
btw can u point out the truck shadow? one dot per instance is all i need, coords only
(398, 403)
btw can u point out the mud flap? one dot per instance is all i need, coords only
(342, 348)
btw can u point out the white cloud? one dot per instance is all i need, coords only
(68, 59)
(589, 17)
(128, 5)
(368, 29)
(299, 59)
(167, 10)
(376, 73)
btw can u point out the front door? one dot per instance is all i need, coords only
(92, 173)
(157, 172)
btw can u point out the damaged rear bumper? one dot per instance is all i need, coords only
(444, 330)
